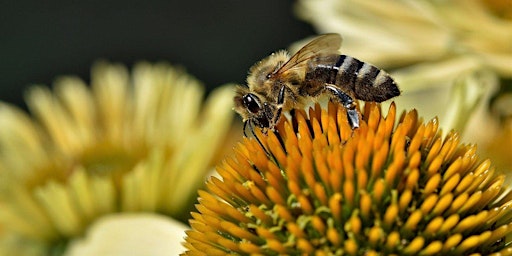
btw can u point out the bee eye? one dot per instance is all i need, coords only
(251, 103)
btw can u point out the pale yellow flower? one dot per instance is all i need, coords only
(134, 142)
(131, 234)
(436, 50)
(400, 33)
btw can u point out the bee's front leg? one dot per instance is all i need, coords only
(280, 102)
(348, 103)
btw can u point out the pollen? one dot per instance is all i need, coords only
(395, 185)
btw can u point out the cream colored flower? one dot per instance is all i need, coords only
(400, 33)
(134, 234)
(139, 142)
(436, 50)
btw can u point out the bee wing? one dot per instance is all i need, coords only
(324, 44)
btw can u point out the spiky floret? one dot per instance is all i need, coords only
(324, 189)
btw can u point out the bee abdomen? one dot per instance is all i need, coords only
(368, 82)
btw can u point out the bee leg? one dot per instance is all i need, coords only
(353, 118)
(280, 97)
(348, 103)
(280, 101)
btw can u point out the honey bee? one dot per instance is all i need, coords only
(280, 83)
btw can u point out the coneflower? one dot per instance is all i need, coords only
(395, 186)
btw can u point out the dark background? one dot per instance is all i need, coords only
(216, 41)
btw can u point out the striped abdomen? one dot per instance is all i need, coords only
(362, 80)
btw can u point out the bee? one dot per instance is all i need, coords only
(280, 83)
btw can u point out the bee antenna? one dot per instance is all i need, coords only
(245, 126)
(251, 128)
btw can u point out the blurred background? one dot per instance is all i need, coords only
(216, 41)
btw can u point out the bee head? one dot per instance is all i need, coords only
(253, 108)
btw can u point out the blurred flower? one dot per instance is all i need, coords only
(427, 46)
(393, 186)
(501, 144)
(400, 33)
(132, 143)
(494, 132)
(134, 234)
